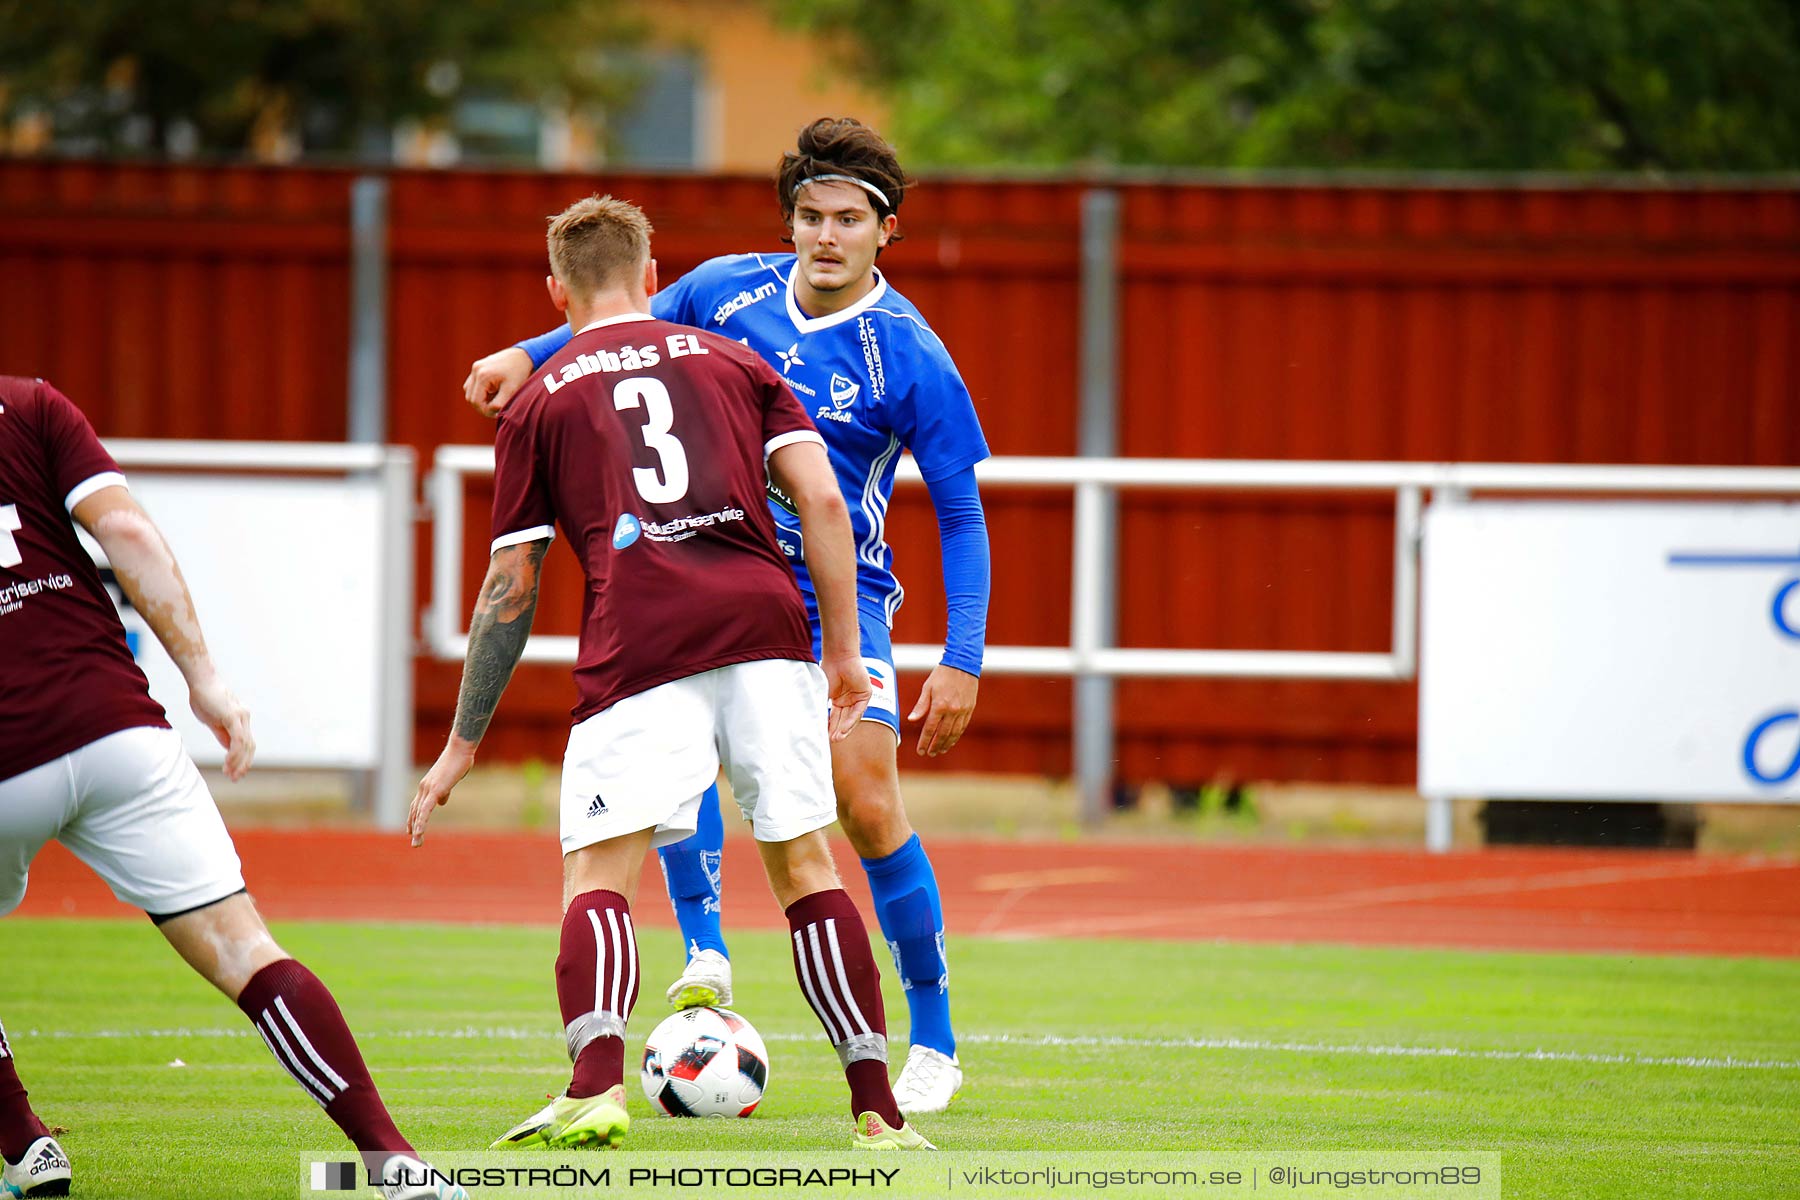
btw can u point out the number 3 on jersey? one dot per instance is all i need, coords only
(9, 545)
(672, 482)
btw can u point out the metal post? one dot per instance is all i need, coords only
(1440, 814)
(1095, 615)
(368, 309)
(1407, 505)
(1439, 824)
(394, 772)
(444, 493)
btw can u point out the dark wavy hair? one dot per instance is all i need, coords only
(841, 146)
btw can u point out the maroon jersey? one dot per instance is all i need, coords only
(66, 675)
(647, 442)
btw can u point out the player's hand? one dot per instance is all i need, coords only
(493, 380)
(434, 789)
(947, 701)
(847, 682)
(229, 721)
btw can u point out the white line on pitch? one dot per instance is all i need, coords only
(519, 1034)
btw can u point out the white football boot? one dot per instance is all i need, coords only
(928, 1082)
(42, 1171)
(705, 984)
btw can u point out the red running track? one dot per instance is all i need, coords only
(1640, 902)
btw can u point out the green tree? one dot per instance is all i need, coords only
(1636, 85)
(202, 75)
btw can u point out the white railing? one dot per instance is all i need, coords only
(1086, 653)
(1094, 480)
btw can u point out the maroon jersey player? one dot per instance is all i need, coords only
(87, 757)
(666, 521)
(650, 447)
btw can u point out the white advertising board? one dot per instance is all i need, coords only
(285, 574)
(1622, 651)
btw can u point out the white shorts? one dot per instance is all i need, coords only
(645, 762)
(133, 807)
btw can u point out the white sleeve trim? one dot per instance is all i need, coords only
(536, 533)
(88, 487)
(789, 439)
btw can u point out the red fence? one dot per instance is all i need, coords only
(1530, 324)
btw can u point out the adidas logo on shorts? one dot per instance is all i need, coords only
(597, 808)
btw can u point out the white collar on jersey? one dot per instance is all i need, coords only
(618, 320)
(806, 324)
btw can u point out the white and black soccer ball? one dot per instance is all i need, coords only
(705, 1062)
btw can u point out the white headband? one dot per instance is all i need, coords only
(864, 184)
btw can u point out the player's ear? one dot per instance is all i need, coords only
(559, 295)
(650, 278)
(888, 224)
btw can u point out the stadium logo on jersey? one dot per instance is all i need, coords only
(843, 391)
(741, 301)
(790, 358)
(626, 531)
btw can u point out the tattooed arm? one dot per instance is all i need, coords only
(497, 634)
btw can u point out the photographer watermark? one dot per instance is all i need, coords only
(978, 1174)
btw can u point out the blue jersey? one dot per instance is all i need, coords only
(874, 378)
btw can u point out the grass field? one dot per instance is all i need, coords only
(1591, 1076)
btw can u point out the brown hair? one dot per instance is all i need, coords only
(597, 243)
(841, 146)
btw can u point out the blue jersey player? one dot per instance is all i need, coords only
(876, 380)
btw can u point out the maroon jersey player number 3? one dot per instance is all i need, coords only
(664, 520)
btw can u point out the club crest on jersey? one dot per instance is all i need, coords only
(626, 531)
(843, 391)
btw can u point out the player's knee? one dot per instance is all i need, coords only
(227, 942)
(868, 788)
(874, 821)
(800, 868)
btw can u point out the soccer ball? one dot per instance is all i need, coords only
(705, 1062)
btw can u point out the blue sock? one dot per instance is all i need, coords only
(691, 869)
(912, 920)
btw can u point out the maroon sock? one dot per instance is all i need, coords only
(301, 1024)
(597, 987)
(838, 975)
(19, 1126)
